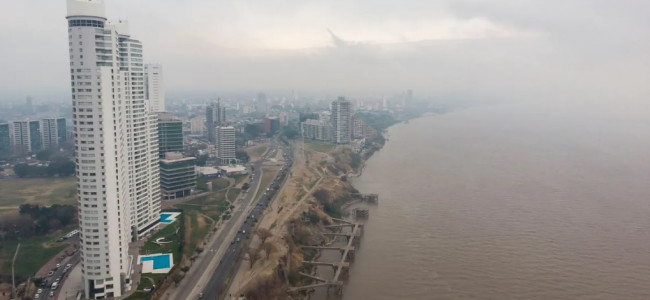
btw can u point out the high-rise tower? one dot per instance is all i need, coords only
(154, 87)
(116, 145)
(215, 115)
(53, 132)
(342, 120)
(225, 144)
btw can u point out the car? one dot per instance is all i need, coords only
(200, 295)
(39, 291)
(37, 296)
(51, 294)
(58, 266)
(68, 265)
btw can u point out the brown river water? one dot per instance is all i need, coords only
(508, 201)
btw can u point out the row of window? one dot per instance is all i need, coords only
(86, 23)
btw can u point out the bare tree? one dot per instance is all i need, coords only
(264, 234)
(253, 255)
(268, 249)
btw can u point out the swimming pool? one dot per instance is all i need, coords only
(156, 263)
(159, 262)
(168, 217)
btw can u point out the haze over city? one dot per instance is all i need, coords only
(324, 150)
(472, 49)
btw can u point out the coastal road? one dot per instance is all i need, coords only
(220, 245)
(234, 250)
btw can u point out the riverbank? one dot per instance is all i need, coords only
(316, 193)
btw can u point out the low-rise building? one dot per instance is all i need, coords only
(233, 170)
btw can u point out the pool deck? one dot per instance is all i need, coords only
(160, 263)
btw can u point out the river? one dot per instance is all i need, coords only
(509, 201)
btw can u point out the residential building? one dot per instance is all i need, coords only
(177, 175)
(271, 125)
(170, 134)
(358, 128)
(154, 87)
(116, 143)
(142, 136)
(27, 136)
(53, 132)
(225, 145)
(316, 130)
(5, 140)
(197, 126)
(341, 120)
(215, 115)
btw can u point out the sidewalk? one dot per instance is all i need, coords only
(72, 284)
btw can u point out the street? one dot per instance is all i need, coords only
(208, 273)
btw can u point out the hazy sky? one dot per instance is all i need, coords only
(471, 48)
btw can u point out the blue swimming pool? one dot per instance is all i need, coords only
(159, 262)
(166, 218)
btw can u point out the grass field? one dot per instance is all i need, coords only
(150, 247)
(196, 227)
(45, 191)
(320, 147)
(34, 253)
(256, 152)
(268, 174)
(259, 151)
(233, 194)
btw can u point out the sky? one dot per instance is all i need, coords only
(500, 49)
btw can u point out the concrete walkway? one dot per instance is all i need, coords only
(72, 284)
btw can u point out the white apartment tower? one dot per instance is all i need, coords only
(341, 120)
(154, 87)
(27, 136)
(116, 146)
(225, 145)
(53, 132)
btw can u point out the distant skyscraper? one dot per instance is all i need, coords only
(154, 87)
(53, 132)
(116, 143)
(27, 136)
(225, 144)
(262, 104)
(5, 140)
(215, 115)
(29, 104)
(197, 125)
(170, 134)
(342, 120)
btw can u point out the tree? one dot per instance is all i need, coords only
(263, 234)
(61, 167)
(253, 255)
(245, 186)
(44, 155)
(242, 155)
(322, 195)
(268, 249)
